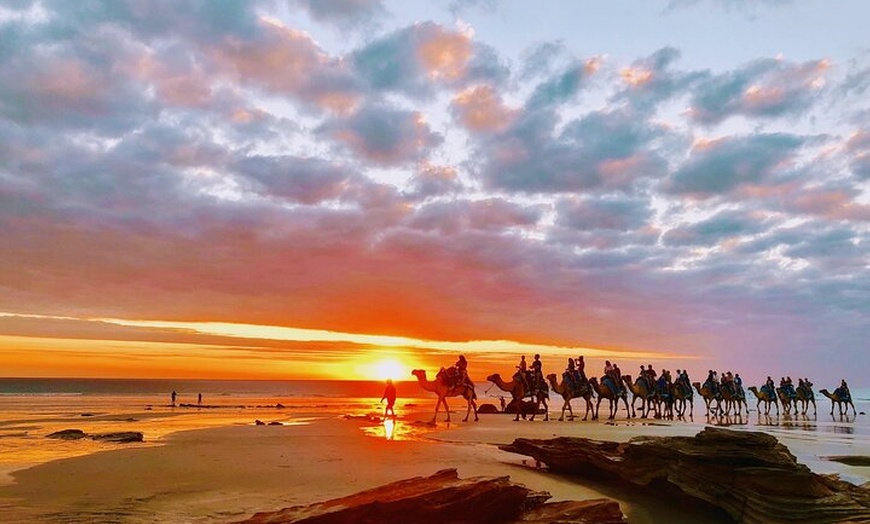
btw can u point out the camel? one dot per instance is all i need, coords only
(605, 392)
(806, 396)
(733, 399)
(836, 398)
(763, 396)
(708, 396)
(683, 396)
(640, 390)
(786, 400)
(518, 392)
(464, 390)
(563, 389)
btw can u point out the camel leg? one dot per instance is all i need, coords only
(447, 409)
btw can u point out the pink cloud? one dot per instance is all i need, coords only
(481, 109)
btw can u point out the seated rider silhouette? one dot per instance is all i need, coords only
(522, 373)
(537, 380)
(581, 369)
(461, 374)
(570, 374)
(607, 379)
(769, 388)
(843, 391)
(711, 382)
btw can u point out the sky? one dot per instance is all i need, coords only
(352, 188)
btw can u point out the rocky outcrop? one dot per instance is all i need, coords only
(444, 498)
(67, 434)
(119, 437)
(750, 475)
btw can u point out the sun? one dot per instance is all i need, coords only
(388, 368)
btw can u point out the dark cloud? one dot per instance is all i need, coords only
(384, 135)
(602, 149)
(457, 216)
(718, 167)
(709, 232)
(764, 88)
(653, 80)
(418, 59)
(616, 213)
(347, 15)
(300, 180)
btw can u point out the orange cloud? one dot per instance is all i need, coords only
(445, 55)
(481, 109)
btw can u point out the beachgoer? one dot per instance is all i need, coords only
(390, 397)
(174, 396)
(199, 400)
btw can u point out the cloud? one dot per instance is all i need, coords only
(720, 166)
(347, 15)
(417, 60)
(293, 179)
(607, 212)
(718, 228)
(764, 88)
(383, 135)
(858, 147)
(433, 181)
(602, 149)
(652, 80)
(481, 110)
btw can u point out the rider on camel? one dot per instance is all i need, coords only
(461, 371)
(571, 377)
(522, 371)
(711, 382)
(581, 368)
(537, 372)
(843, 391)
(769, 387)
(607, 379)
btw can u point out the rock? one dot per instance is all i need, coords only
(749, 475)
(441, 499)
(120, 437)
(279, 406)
(259, 422)
(68, 434)
(487, 409)
(275, 423)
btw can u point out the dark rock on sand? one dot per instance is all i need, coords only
(487, 409)
(749, 475)
(68, 434)
(851, 460)
(120, 437)
(445, 498)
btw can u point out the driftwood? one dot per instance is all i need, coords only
(444, 498)
(749, 475)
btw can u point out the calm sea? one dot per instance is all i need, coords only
(193, 387)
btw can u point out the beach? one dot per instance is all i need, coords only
(213, 463)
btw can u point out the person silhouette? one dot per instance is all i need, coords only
(390, 397)
(174, 396)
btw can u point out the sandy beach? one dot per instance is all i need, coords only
(216, 465)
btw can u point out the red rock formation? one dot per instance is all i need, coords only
(750, 475)
(444, 498)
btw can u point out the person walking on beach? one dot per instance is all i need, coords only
(199, 400)
(390, 397)
(174, 396)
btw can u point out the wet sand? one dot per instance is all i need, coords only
(229, 472)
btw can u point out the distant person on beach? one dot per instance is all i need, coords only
(199, 400)
(390, 397)
(174, 396)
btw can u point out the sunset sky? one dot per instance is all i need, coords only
(308, 189)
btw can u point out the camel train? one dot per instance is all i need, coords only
(651, 395)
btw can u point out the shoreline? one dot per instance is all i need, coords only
(230, 470)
